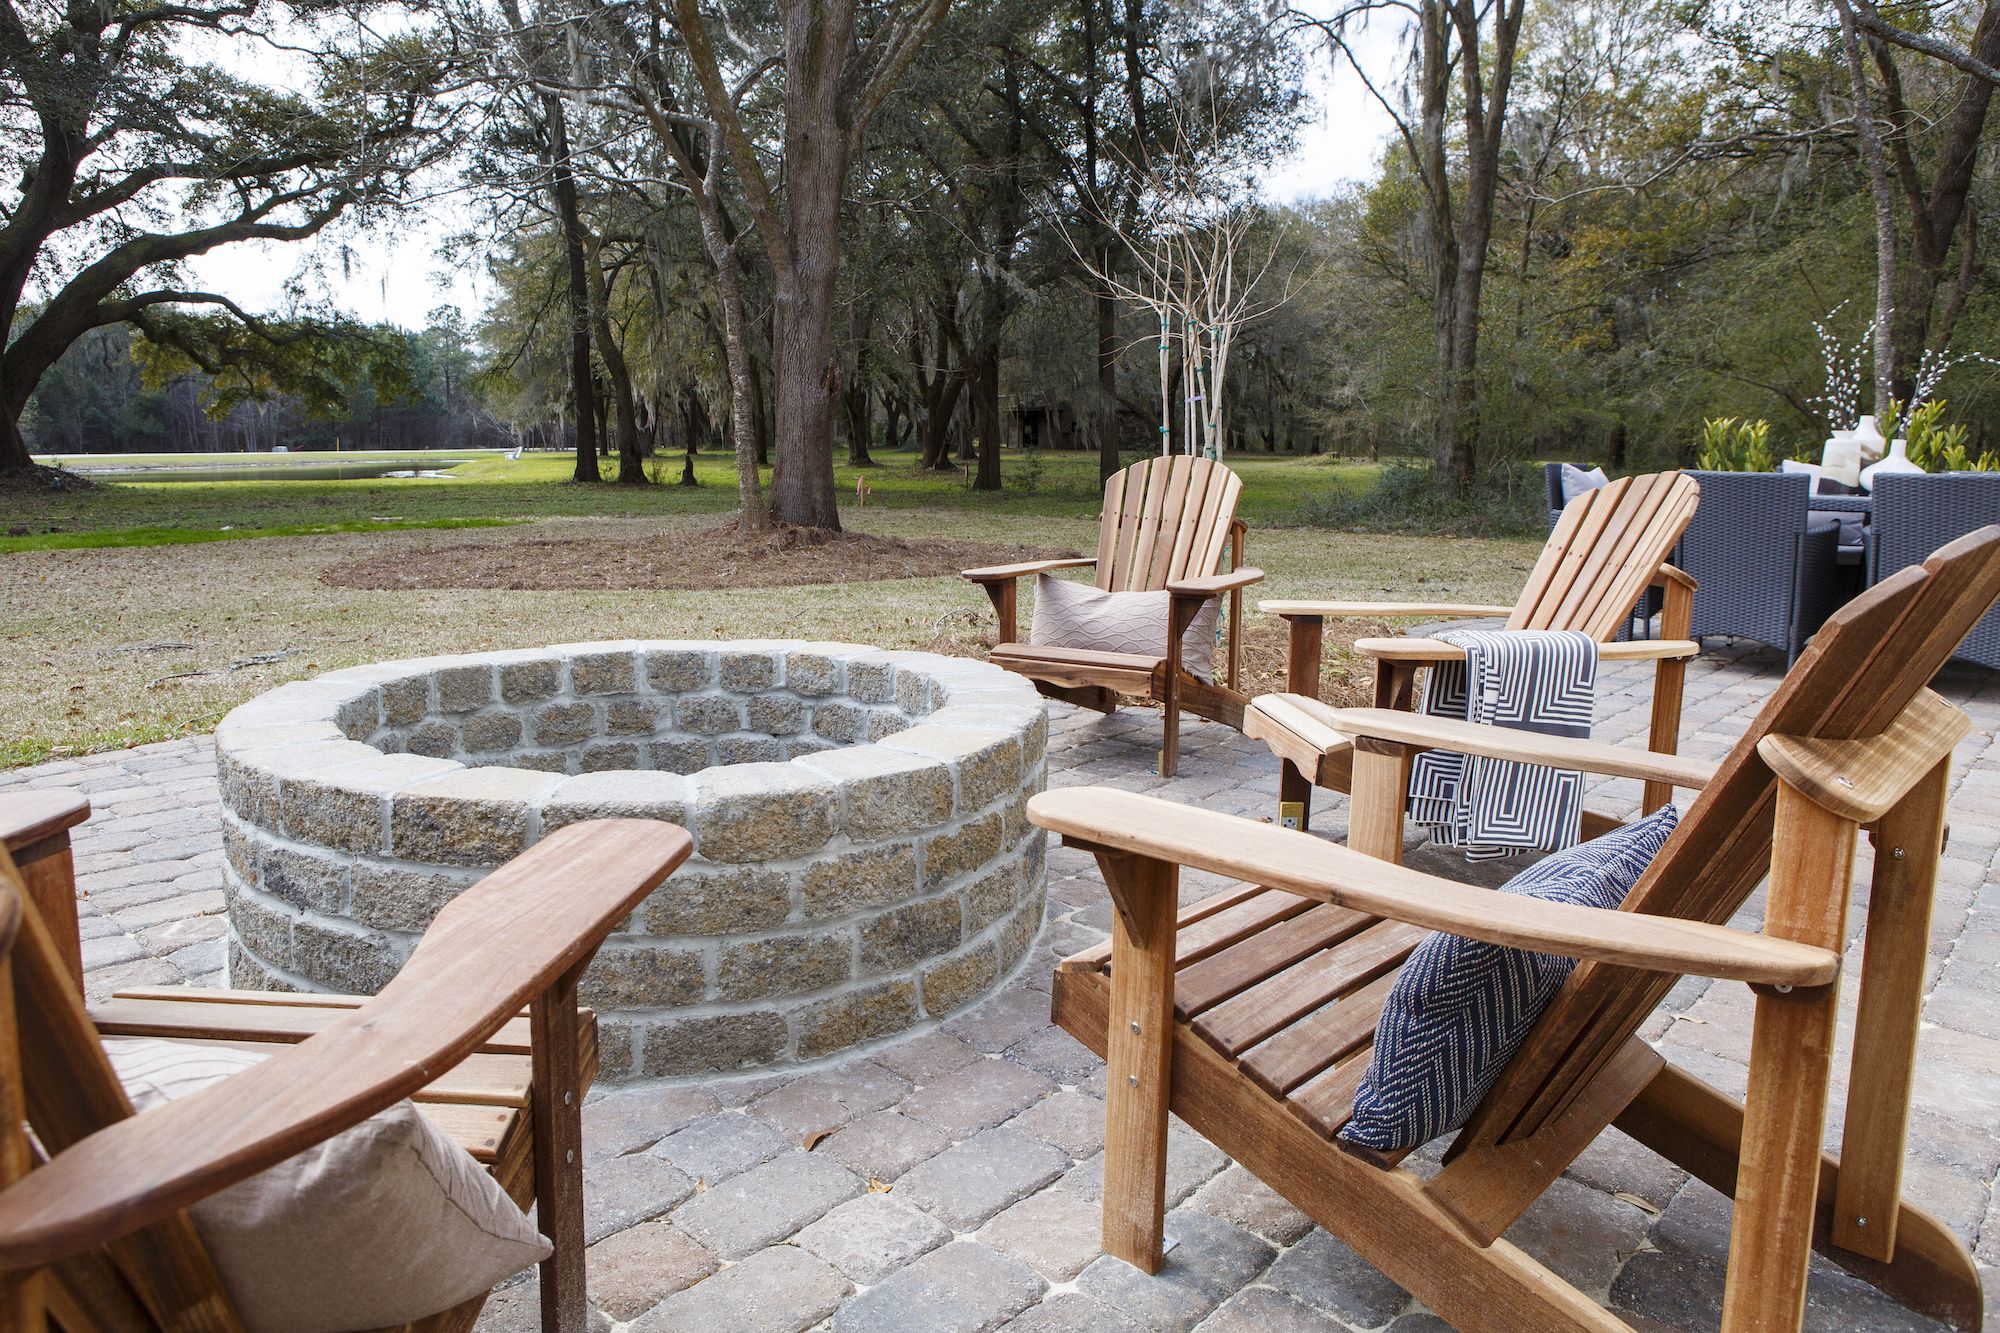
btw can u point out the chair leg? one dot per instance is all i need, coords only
(1138, 1056)
(557, 1103)
(1791, 1056)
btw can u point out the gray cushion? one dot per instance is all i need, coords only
(1460, 1008)
(383, 1224)
(1069, 614)
(1575, 481)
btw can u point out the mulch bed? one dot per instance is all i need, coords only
(718, 557)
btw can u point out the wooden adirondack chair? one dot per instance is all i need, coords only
(1251, 1014)
(95, 1237)
(1609, 546)
(1165, 525)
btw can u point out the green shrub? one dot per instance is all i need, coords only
(1507, 500)
(1732, 444)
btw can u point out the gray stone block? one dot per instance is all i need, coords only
(490, 732)
(316, 881)
(603, 673)
(477, 816)
(631, 974)
(563, 724)
(464, 689)
(957, 981)
(834, 1024)
(780, 965)
(678, 670)
(711, 1043)
(617, 795)
(609, 756)
(854, 881)
(1213, 1260)
(749, 750)
(632, 717)
(705, 900)
(761, 812)
(775, 714)
(960, 852)
(404, 898)
(716, 1147)
(530, 681)
(746, 673)
(681, 755)
(708, 714)
(904, 936)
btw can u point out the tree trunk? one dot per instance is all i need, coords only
(859, 399)
(805, 368)
(1884, 199)
(570, 218)
(986, 417)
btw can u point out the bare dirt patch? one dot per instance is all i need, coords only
(716, 557)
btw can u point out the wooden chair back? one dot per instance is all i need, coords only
(1606, 548)
(55, 1079)
(1862, 670)
(1164, 519)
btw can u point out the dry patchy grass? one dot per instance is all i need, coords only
(105, 648)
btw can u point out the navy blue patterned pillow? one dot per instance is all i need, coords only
(1461, 1007)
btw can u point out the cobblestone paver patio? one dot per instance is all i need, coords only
(949, 1180)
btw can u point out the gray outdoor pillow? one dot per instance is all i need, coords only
(380, 1225)
(1575, 481)
(1075, 615)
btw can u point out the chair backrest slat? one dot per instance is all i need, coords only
(1867, 664)
(1164, 519)
(1605, 549)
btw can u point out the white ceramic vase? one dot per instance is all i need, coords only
(1897, 460)
(1868, 436)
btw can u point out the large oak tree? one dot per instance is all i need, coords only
(135, 136)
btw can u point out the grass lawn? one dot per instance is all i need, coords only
(119, 645)
(538, 486)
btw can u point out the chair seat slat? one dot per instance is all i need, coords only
(1265, 1009)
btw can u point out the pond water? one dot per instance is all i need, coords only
(314, 471)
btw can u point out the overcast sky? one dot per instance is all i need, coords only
(394, 273)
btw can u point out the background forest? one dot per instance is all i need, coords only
(1598, 226)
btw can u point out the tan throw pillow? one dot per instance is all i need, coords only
(1069, 614)
(384, 1223)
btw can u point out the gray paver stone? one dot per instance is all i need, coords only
(884, 1145)
(767, 1203)
(976, 1096)
(871, 1237)
(963, 1288)
(1212, 1261)
(620, 1191)
(969, 1183)
(716, 1147)
(779, 1290)
(633, 1270)
(1054, 1232)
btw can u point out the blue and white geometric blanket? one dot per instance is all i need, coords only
(1531, 680)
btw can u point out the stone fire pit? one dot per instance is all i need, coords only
(863, 862)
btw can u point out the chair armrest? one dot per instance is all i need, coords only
(1002, 573)
(30, 817)
(1530, 747)
(1437, 650)
(1216, 584)
(1376, 610)
(497, 946)
(1101, 817)
(1862, 779)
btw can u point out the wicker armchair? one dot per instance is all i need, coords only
(1914, 516)
(1766, 570)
